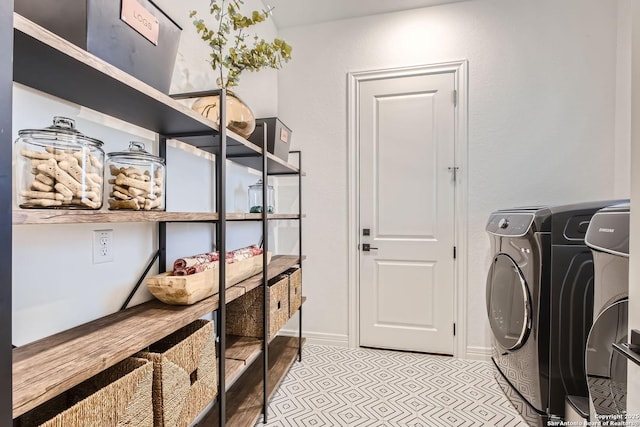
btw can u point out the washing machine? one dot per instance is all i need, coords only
(606, 369)
(539, 304)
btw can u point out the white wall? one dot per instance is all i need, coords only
(633, 373)
(623, 101)
(55, 284)
(542, 79)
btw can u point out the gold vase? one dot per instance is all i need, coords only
(240, 118)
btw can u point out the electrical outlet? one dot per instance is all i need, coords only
(102, 246)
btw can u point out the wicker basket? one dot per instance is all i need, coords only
(244, 314)
(118, 396)
(295, 289)
(184, 374)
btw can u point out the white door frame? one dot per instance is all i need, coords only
(459, 68)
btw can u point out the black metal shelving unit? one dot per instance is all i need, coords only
(44, 62)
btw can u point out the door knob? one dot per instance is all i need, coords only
(366, 247)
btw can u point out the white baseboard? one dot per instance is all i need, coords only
(318, 338)
(479, 353)
(337, 340)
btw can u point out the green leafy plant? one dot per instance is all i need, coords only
(232, 49)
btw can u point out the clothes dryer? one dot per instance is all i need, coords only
(606, 369)
(571, 308)
(539, 252)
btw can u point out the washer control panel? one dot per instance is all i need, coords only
(609, 232)
(509, 223)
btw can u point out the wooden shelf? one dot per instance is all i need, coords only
(258, 217)
(241, 352)
(46, 368)
(244, 398)
(63, 216)
(68, 216)
(233, 370)
(244, 349)
(46, 62)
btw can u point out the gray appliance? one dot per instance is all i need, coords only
(540, 304)
(606, 369)
(520, 242)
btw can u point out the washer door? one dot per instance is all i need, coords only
(606, 368)
(508, 303)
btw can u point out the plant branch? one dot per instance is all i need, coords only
(239, 56)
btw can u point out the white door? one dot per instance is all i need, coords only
(406, 201)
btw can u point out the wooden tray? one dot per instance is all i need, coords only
(185, 290)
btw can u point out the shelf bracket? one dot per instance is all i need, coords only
(135, 288)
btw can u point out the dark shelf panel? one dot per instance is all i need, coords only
(240, 151)
(275, 166)
(630, 350)
(626, 351)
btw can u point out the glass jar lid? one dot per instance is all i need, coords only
(258, 186)
(62, 131)
(136, 152)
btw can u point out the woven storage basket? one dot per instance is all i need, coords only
(244, 314)
(295, 289)
(184, 374)
(117, 397)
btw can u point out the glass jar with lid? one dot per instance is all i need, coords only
(136, 179)
(255, 198)
(58, 167)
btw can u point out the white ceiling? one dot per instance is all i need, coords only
(293, 13)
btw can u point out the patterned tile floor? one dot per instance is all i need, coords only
(364, 387)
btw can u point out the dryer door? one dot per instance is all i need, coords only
(508, 303)
(606, 368)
